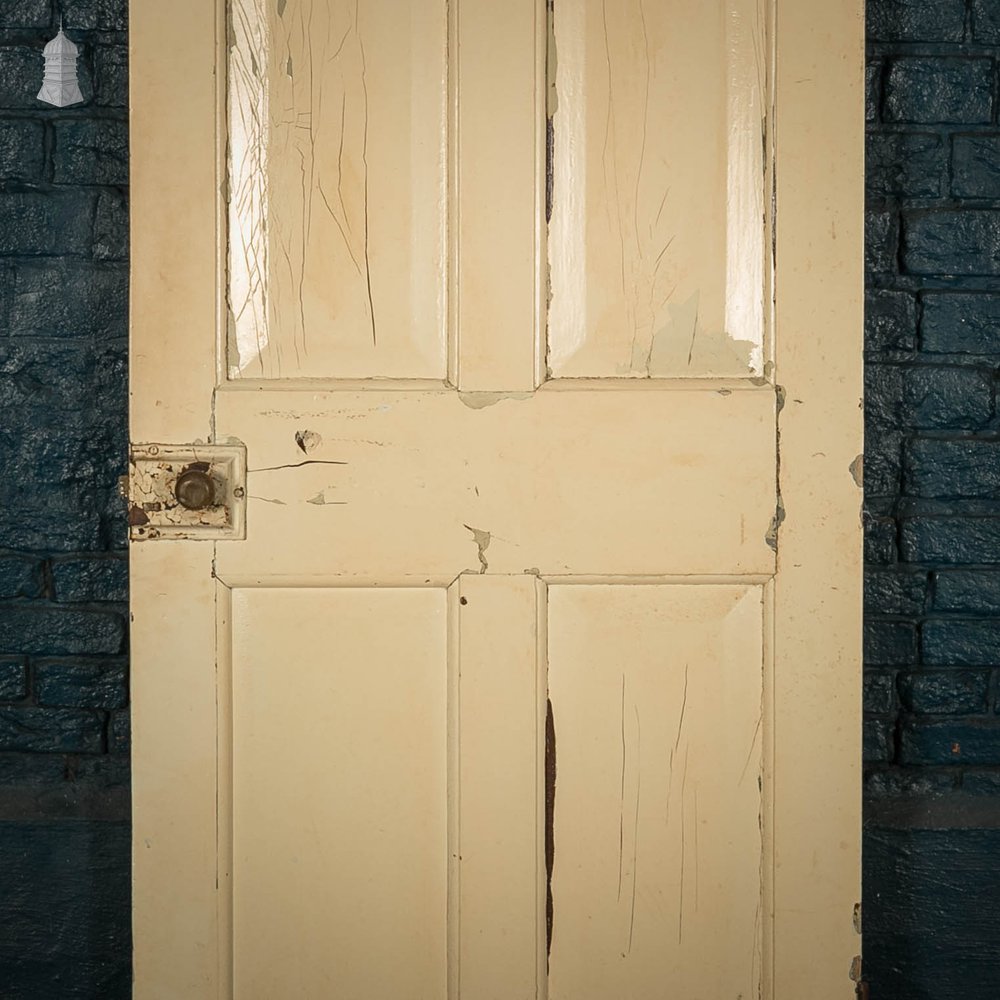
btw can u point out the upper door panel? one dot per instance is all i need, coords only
(656, 230)
(337, 189)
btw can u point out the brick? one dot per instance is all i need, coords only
(111, 226)
(33, 529)
(950, 540)
(945, 692)
(26, 13)
(120, 732)
(931, 89)
(883, 462)
(22, 150)
(880, 541)
(985, 21)
(946, 398)
(81, 684)
(915, 20)
(104, 15)
(877, 742)
(908, 781)
(51, 730)
(890, 321)
(69, 298)
(54, 378)
(111, 76)
(90, 579)
(878, 692)
(903, 165)
(881, 242)
(984, 782)
(33, 222)
(13, 680)
(961, 643)
(889, 643)
(926, 397)
(964, 242)
(35, 457)
(91, 152)
(20, 577)
(937, 468)
(47, 631)
(891, 592)
(21, 69)
(873, 89)
(975, 169)
(883, 396)
(968, 590)
(966, 741)
(960, 323)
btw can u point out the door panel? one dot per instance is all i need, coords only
(657, 699)
(549, 596)
(337, 173)
(339, 778)
(656, 237)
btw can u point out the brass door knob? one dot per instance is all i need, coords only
(195, 489)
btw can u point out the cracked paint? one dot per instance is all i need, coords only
(656, 244)
(337, 201)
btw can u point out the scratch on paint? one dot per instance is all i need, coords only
(680, 912)
(635, 830)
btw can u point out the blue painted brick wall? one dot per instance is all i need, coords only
(932, 486)
(64, 777)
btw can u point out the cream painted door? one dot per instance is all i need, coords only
(537, 671)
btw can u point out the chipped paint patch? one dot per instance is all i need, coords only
(771, 537)
(482, 540)
(857, 470)
(480, 400)
(308, 441)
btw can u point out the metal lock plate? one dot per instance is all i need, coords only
(187, 491)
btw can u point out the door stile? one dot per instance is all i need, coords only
(174, 302)
(817, 618)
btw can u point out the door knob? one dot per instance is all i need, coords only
(195, 489)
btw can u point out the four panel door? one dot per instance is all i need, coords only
(543, 350)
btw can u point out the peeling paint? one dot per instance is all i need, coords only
(320, 500)
(308, 441)
(684, 344)
(855, 973)
(771, 537)
(482, 540)
(857, 470)
(480, 400)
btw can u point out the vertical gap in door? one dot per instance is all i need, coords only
(454, 791)
(222, 201)
(543, 55)
(767, 794)
(452, 140)
(541, 798)
(224, 788)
